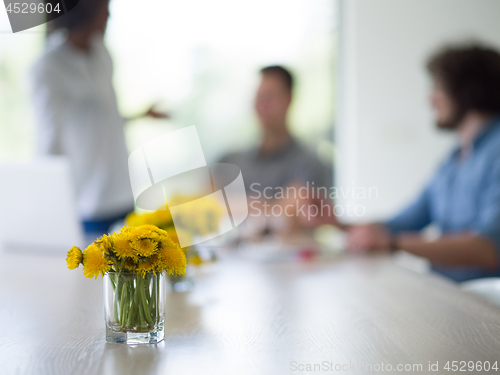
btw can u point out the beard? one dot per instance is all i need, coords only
(451, 123)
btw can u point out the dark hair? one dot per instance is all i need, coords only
(470, 74)
(281, 72)
(80, 14)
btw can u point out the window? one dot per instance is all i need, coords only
(201, 60)
(17, 53)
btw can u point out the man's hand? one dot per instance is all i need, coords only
(151, 112)
(313, 212)
(362, 238)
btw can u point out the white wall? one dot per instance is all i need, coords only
(385, 132)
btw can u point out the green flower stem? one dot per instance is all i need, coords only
(142, 322)
(115, 291)
(149, 295)
(133, 313)
(113, 284)
(123, 298)
(144, 300)
(147, 280)
(135, 301)
(157, 294)
(152, 298)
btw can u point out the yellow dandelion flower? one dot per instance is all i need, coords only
(157, 230)
(145, 247)
(146, 266)
(172, 258)
(105, 242)
(123, 248)
(74, 257)
(145, 231)
(130, 265)
(123, 231)
(95, 262)
(156, 263)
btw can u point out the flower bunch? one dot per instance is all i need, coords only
(141, 250)
(197, 216)
(161, 218)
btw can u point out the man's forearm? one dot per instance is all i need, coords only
(462, 249)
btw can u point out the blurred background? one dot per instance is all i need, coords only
(361, 94)
(200, 61)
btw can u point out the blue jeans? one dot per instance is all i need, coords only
(96, 228)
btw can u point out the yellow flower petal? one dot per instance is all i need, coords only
(74, 257)
(172, 258)
(148, 265)
(145, 247)
(123, 248)
(95, 262)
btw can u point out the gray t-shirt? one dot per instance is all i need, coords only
(288, 165)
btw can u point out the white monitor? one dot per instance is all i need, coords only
(37, 207)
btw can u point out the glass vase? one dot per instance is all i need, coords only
(134, 308)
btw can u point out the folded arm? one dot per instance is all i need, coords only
(457, 250)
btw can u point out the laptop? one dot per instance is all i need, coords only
(37, 207)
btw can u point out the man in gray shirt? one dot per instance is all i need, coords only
(279, 174)
(279, 161)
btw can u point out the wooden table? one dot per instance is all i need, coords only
(246, 317)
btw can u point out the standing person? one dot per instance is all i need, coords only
(77, 114)
(463, 198)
